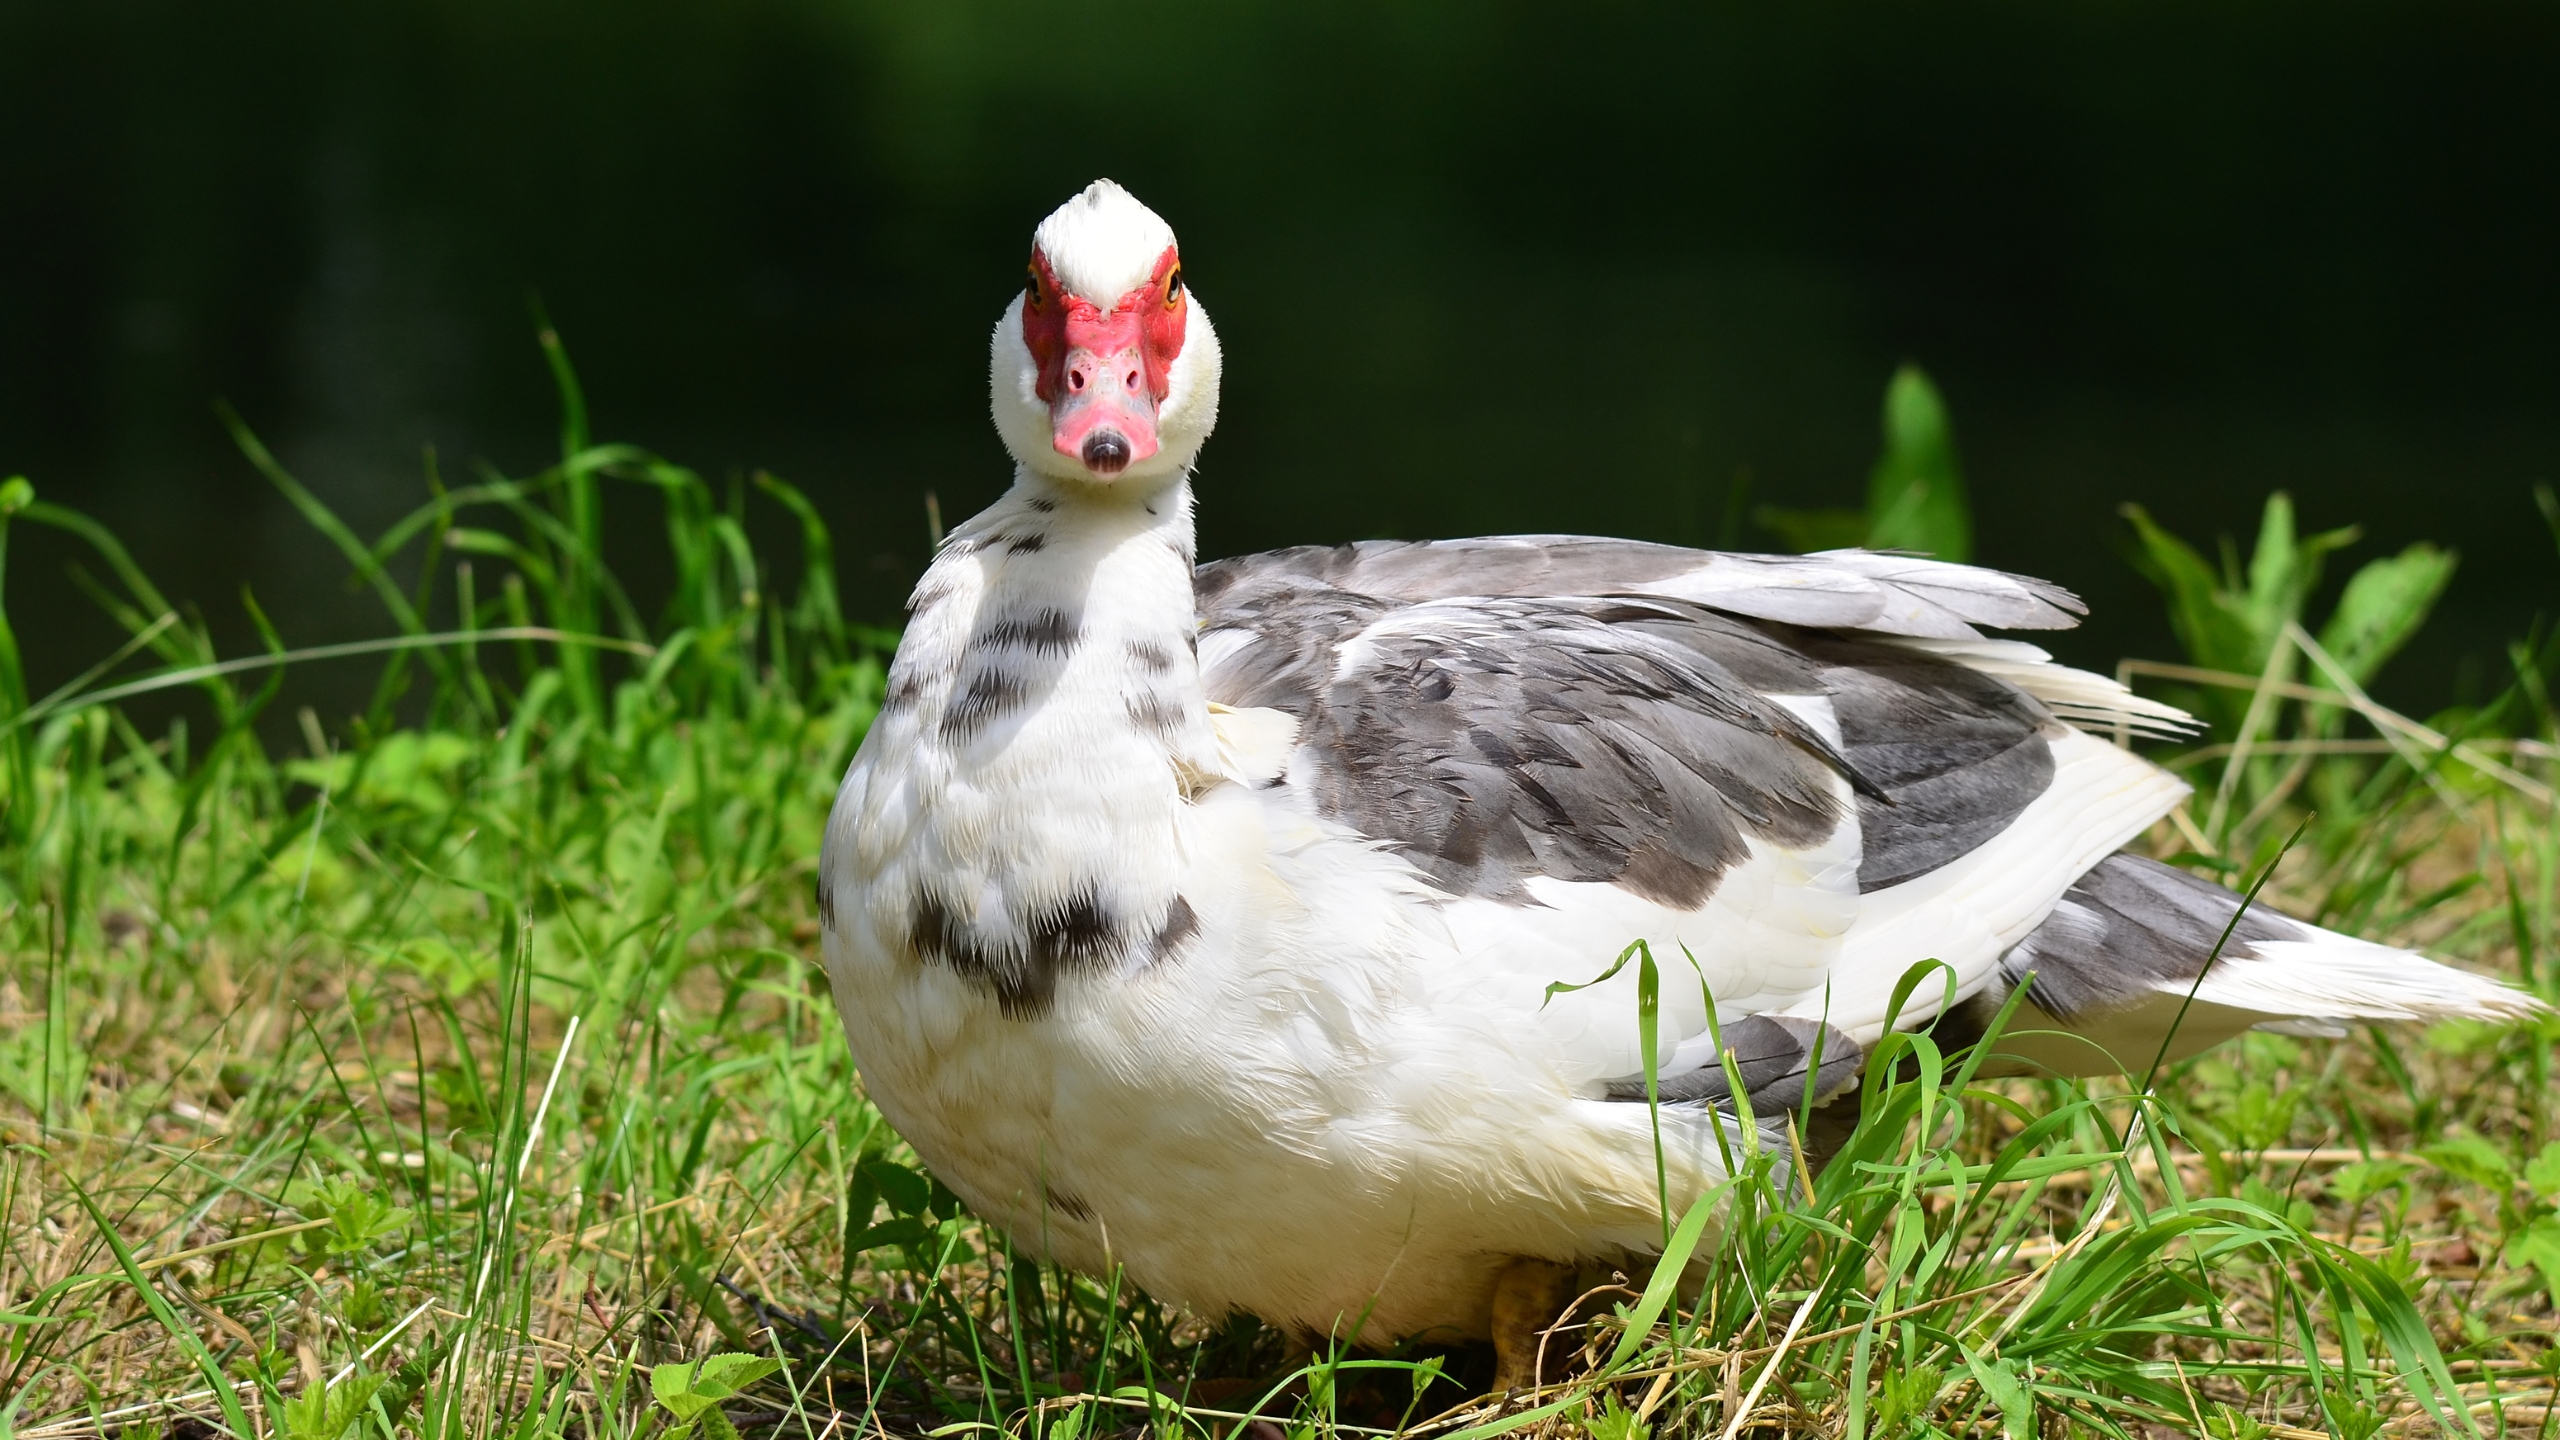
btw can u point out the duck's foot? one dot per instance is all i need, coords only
(1527, 1297)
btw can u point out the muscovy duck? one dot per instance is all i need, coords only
(1201, 919)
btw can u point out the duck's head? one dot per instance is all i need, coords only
(1104, 370)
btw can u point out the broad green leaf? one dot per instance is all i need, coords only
(2538, 1245)
(2471, 1158)
(2227, 621)
(2262, 1115)
(358, 1218)
(326, 1412)
(2363, 1179)
(2383, 607)
(1915, 495)
(726, 1374)
(905, 1230)
(2543, 1172)
(673, 1387)
(906, 1191)
(2216, 634)
(692, 1391)
(1915, 498)
(2284, 570)
(2001, 1382)
(2349, 1417)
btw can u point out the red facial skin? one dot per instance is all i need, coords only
(1104, 374)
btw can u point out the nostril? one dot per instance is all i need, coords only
(1106, 452)
(1075, 379)
(1132, 380)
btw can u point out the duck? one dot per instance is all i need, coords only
(1235, 924)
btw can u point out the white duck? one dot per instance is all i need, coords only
(1200, 918)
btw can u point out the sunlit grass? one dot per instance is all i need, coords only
(470, 1074)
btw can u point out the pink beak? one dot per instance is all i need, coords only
(1104, 414)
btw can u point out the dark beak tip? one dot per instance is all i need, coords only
(1106, 452)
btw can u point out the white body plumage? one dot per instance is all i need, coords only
(1317, 1105)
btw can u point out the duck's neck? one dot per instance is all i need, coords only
(1048, 700)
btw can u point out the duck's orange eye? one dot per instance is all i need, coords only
(1173, 288)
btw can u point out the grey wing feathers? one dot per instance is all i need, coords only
(1606, 710)
(1635, 740)
(1409, 571)
(1955, 755)
(1583, 739)
(2128, 928)
(1269, 641)
(1885, 594)
(1924, 597)
(1772, 1054)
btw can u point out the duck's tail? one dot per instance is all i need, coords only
(2125, 975)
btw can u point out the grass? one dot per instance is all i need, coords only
(463, 1070)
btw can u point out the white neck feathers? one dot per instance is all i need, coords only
(1044, 729)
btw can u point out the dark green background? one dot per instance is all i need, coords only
(1479, 267)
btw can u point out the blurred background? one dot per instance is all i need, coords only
(1479, 267)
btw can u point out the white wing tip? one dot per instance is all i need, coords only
(2334, 978)
(2090, 701)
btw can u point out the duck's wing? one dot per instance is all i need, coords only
(1577, 770)
(1641, 742)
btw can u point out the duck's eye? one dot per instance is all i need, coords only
(1173, 288)
(1034, 272)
